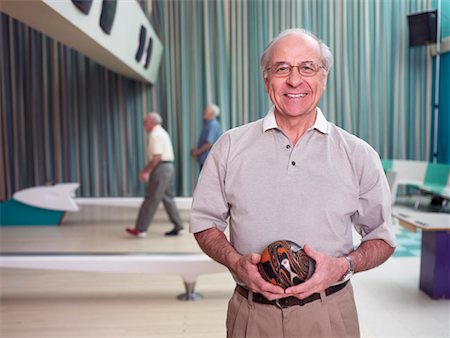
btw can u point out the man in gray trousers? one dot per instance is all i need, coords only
(159, 173)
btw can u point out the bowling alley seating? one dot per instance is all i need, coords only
(420, 178)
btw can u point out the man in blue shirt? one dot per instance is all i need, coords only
(210, 133)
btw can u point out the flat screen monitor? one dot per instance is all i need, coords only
(422, 28)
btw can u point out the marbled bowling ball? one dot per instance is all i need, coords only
(285, 263)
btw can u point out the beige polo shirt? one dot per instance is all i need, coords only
(159, 143)
(267, 189)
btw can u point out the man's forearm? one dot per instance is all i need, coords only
(204, 147)
(370, 254)
(152, 164)
(215, 244)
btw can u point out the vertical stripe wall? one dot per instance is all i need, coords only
(65, 118)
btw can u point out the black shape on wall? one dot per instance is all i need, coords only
(107, 16)
(142, 39)
(422, 28)
(149, 53)
(83, 5)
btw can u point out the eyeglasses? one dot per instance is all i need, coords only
(283, 69)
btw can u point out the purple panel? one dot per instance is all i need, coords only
(435, 264)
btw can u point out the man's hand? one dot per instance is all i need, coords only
(328, 271)
(195, 153)
(247, 271)
(216, 245)
(144, 175)
(198, 151)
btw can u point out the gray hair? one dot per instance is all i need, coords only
(215, 109)
(325, 52)
(155, 117)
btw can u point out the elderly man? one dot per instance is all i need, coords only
(211, 131)
(293, 176)
(159, 173)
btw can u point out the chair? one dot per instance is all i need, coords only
(393, 184)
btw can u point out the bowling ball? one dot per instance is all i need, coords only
(285, 263)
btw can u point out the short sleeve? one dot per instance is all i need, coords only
(373, 218)
(156, 144)
(210, 208)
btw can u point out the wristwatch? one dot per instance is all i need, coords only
(350, 270)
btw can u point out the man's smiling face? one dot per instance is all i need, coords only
(295, 95)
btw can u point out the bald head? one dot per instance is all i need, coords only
(151, 120)
(154, 116)
(211, 112)
(324, 50)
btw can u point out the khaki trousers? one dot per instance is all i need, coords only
(332, 316)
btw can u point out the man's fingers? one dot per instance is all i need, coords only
(309, 251)
(255, 258)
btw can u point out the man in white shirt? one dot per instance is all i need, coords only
(159, 173)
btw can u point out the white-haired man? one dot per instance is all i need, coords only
(293, 176)
(211, 131)
(159, 174)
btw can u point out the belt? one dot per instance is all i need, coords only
(289, 301)
(165, 162)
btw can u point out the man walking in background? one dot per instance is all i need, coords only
(209, 135)
(158, 173)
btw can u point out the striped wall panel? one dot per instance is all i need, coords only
(65, 118)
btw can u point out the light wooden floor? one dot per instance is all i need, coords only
(38, 303)
(69, 304)
(87, 231)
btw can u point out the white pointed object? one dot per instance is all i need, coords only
(52, 197)
(130, 46)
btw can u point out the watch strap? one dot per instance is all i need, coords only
(351, 267)
(350, 270)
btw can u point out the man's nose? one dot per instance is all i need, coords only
(295, 78)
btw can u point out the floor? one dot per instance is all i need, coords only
(38, 303)
(408, 243)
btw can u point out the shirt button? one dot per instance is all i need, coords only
(293, 163)
(288, 146)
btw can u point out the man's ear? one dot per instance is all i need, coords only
(266, 83)
(325, 78)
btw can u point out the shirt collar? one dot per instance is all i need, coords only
(321, 123)
(156, 128)
(269, 121)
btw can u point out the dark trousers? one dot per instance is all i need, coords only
(159, 188)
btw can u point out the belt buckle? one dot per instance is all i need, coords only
(277, 303)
